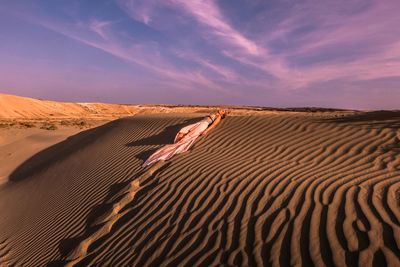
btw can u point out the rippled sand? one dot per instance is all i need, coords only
(280, 189)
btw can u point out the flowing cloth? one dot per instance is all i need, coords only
(192, 132)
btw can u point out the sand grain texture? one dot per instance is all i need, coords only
(273, 190)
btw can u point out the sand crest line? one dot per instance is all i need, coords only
(119, 201)
(5, 250)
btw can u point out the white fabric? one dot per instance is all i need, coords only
(191, 132)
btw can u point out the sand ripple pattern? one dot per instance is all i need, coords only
(53, 200)
(288, 190)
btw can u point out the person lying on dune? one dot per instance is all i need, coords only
(186, 137)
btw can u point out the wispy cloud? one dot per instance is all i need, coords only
(206, 13)
(145, 55)
(223, 71)
(363, 46)
(332, 33)
(99, 27)
(358, 45)
(280, 47)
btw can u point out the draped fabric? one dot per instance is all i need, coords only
(192, 132)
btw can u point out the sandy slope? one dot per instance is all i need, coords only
(289, 189)
(18, 145)
(12, 106)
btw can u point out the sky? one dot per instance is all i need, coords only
(275, 53)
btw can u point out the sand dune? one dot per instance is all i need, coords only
(17, 107)
(280, 189)
(18, 145)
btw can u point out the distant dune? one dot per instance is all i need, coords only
(17, 107)
(273, 190)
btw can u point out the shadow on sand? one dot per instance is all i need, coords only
(47, 157)
(115, 195)
(373, 119)
(167, 136)
(67, 245)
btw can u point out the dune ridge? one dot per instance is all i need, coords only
(17, 107)
(278, 190)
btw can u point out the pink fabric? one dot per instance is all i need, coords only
(191, 133)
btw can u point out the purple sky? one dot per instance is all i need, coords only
(280, 53)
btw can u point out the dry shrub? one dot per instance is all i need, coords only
(49, 126)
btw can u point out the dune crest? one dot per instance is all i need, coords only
(17, 107)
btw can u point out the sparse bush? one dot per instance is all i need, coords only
(78, 123)
(49, 127)
(65, 123)
(81, 123)
(26, 124)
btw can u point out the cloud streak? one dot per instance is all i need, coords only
(144, 55)
(206, 13)
(277, 48)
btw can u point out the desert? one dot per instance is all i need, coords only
(153, 133)
(265, 188)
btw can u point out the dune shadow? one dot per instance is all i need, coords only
(67, 245)
(47, 157)
(165, 137)
(373, 119)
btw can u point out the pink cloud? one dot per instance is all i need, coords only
(141, 10)
(206, 13)
(333, 30)
(100, 27)
(144, 55)
(318, 44)
(223, 71)
(379, 65)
